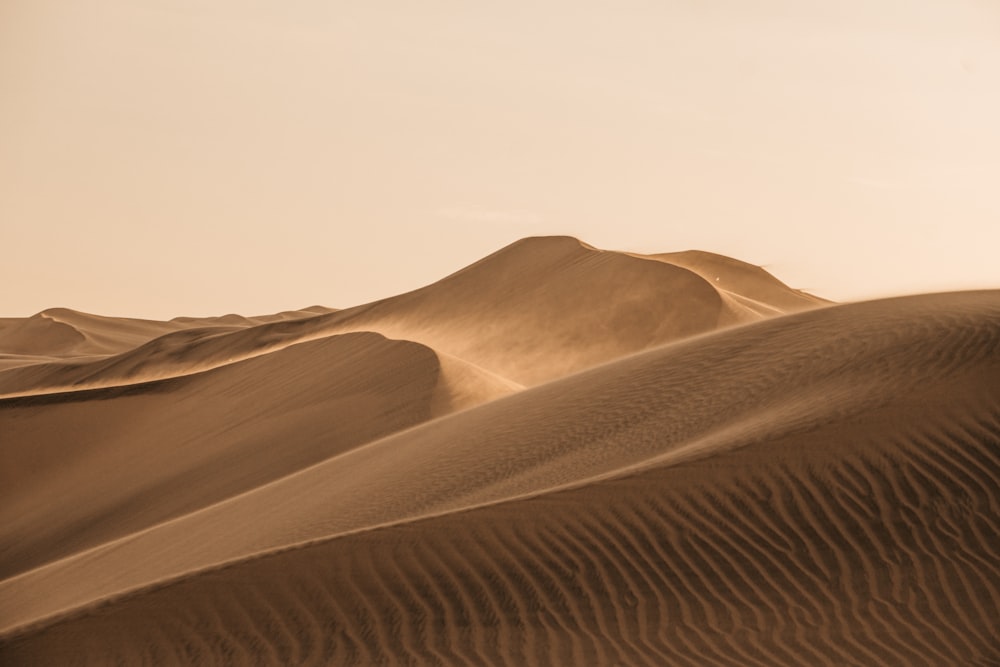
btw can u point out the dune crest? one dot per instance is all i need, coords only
(531, 312)
(558, 455)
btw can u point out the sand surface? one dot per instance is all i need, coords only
(556, 456)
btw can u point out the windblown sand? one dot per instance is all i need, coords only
(556, 456)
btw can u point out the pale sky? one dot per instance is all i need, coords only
(198, 157)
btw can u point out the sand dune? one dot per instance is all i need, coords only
(631, 480)
(102, 352)
(744, 284)
(545, 307)
(531, 312)
(149, 452)
(61, 332)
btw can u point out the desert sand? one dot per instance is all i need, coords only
(558, 455)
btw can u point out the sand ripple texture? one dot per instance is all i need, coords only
(811, 486)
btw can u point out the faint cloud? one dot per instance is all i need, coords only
(489, 216)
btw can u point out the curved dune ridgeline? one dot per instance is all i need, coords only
(531, 312)
(142, 454)
(557, 456)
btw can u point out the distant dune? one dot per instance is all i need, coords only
(556, 456)
(534, 311)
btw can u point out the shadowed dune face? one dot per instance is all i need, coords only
(812, 488)
(108, 462)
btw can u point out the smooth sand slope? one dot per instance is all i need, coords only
(243, 401)
(107, 462)
(814, 488)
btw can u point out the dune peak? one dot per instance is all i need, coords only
(556, 455)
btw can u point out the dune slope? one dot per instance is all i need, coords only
(108, 462)
(532, 312)
(545, 307)
(114, 351)
(819, 488)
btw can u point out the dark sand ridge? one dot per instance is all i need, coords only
(820, 488)
(533, 311)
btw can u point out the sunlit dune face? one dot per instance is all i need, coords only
(621, 436)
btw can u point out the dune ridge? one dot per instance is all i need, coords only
(166, 448)
(817, 485)
(961, 352)
(638, 578)
(533, 311)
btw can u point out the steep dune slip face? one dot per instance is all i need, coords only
(821, 488)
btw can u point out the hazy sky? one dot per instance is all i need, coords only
(168, 157)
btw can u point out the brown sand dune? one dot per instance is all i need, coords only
(106, 435)
(108, 462)
(741, 280)
(819, 488)
(545, 307)
(31, 335)
(294, 314)
(62, 332)
(534, 311)
(61, 349)
(238, 320)
(748, 291)
(462, 385)
(169, 355)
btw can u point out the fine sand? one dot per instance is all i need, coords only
(556, 456)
